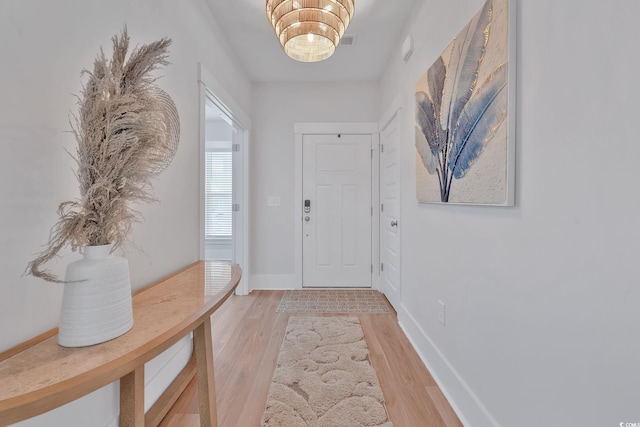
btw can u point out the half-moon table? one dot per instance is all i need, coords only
(40, 375)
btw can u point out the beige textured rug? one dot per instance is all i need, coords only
(323, 377)
(334, 301)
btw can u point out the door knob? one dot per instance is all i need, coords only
(394, 223)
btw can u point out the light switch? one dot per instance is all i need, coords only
(273, 201)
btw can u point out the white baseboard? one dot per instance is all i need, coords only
(470, 410)
(274, 282)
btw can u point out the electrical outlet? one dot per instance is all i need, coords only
(441, 317)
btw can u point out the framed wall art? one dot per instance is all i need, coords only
(465, 115)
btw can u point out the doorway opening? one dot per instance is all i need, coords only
(224, 135)
(218, 195)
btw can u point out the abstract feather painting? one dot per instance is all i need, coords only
(464, 127)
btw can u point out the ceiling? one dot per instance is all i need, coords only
(377, 25)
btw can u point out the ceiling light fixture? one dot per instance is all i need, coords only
(310, 30)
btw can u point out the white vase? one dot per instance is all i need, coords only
(96, 303)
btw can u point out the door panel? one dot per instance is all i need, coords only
(323, 235)
(389, 219)
(336, 231)
(349, 226)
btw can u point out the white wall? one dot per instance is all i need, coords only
(541, 299)
(276, 107)
(44, 46)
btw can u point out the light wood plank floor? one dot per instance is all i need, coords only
(247, 334)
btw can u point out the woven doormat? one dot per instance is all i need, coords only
(334, 301)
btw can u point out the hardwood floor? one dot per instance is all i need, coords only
(247, 334)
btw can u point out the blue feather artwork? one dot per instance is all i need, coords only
(462, 105)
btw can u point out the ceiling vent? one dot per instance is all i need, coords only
(348, 40)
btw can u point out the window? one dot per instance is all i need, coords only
(219, 195)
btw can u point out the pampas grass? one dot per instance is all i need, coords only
(124, 137)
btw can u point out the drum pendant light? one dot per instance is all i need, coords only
(310, 30)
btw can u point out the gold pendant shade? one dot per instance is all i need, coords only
(310, 30)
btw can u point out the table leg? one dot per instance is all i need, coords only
(203, 347)
(132, 399)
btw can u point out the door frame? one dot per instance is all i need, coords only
(210, 88)
(360, 128)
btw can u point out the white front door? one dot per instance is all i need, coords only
(390, 210)
(337, 211)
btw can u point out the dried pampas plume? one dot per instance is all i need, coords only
(127, 131)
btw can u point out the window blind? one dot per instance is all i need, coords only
(219, 194)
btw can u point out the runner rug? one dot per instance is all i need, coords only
(323, 377)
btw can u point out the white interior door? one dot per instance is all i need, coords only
(337, 211)
(390, 212)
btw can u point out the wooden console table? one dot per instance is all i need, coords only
(40, 375)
